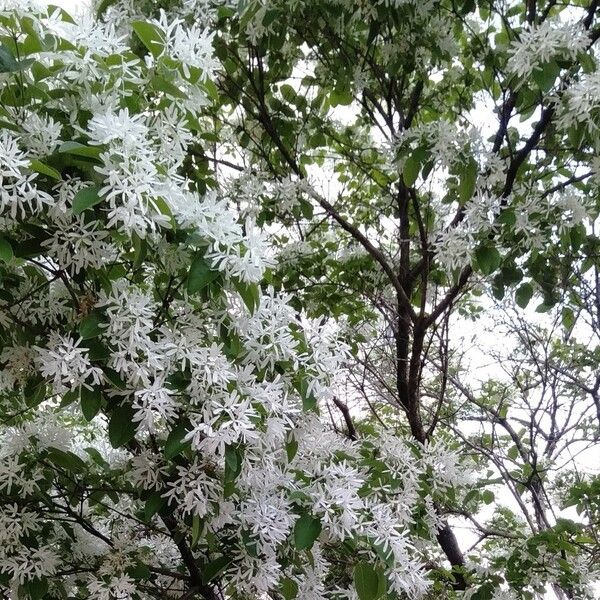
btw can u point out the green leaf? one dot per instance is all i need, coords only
(487, 496)
(86, 198)
(140, 571)
(306, 530)
(34, 391)
(485, 592)
(215, 568)
(288, 92)
(91, 401)
(250, 543)
(250, 294)
(546, 75)
(513, 452)
(103, 5)
(66, 460)
(543, 307)
(91, 325)
(8, 125)
(36, 588)
(96, 457)
(470, 495)
(340, 97)
(233, 461)
(577, 236)
(288, 588)
(575, 134)
(6, 251)
(524, 294)
(568, 318)
(488, 259)
(114, 378)
(367, 582)
(8, 63)
(68, 398)
(162, 207)
(309, 401)
(411, 169)
(200, 275)
(160, 84)
(150, 36)
(175, 444)
(63, 14)
(140, 249)
(44, 169)
(197, 526)
(468, 180)
(32, 246)
(291, 449)
(154, 503)
(77, 149)
(121, 428)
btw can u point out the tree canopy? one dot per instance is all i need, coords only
(256, 259)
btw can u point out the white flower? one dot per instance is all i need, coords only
(193, 490)
(12, 158)
(22, 197)
(147, 470)
(10, 473)
(191, 46)
(445, 464)
(77, 245)
(31, 563)
(538, 44)
(336, 499)
(118, 587)
(455, 247)
(130, 312)
(130, 131)
(18, 361)
(269, 517)
(152, 404)
(66, 364)
(41, 134)
(246, 261)
(266, 334)
(87, 32)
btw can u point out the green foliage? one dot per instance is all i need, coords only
(306, 530)
(91, 402)
(200, 275)
(121, 427)
(86, 198)
(369, 582)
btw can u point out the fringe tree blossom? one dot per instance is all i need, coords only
(159, 399)
(538, 44)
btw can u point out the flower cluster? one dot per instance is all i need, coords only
(539, 44)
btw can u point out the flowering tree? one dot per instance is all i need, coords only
(159, 406)
(356, 118)
(167, 258)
